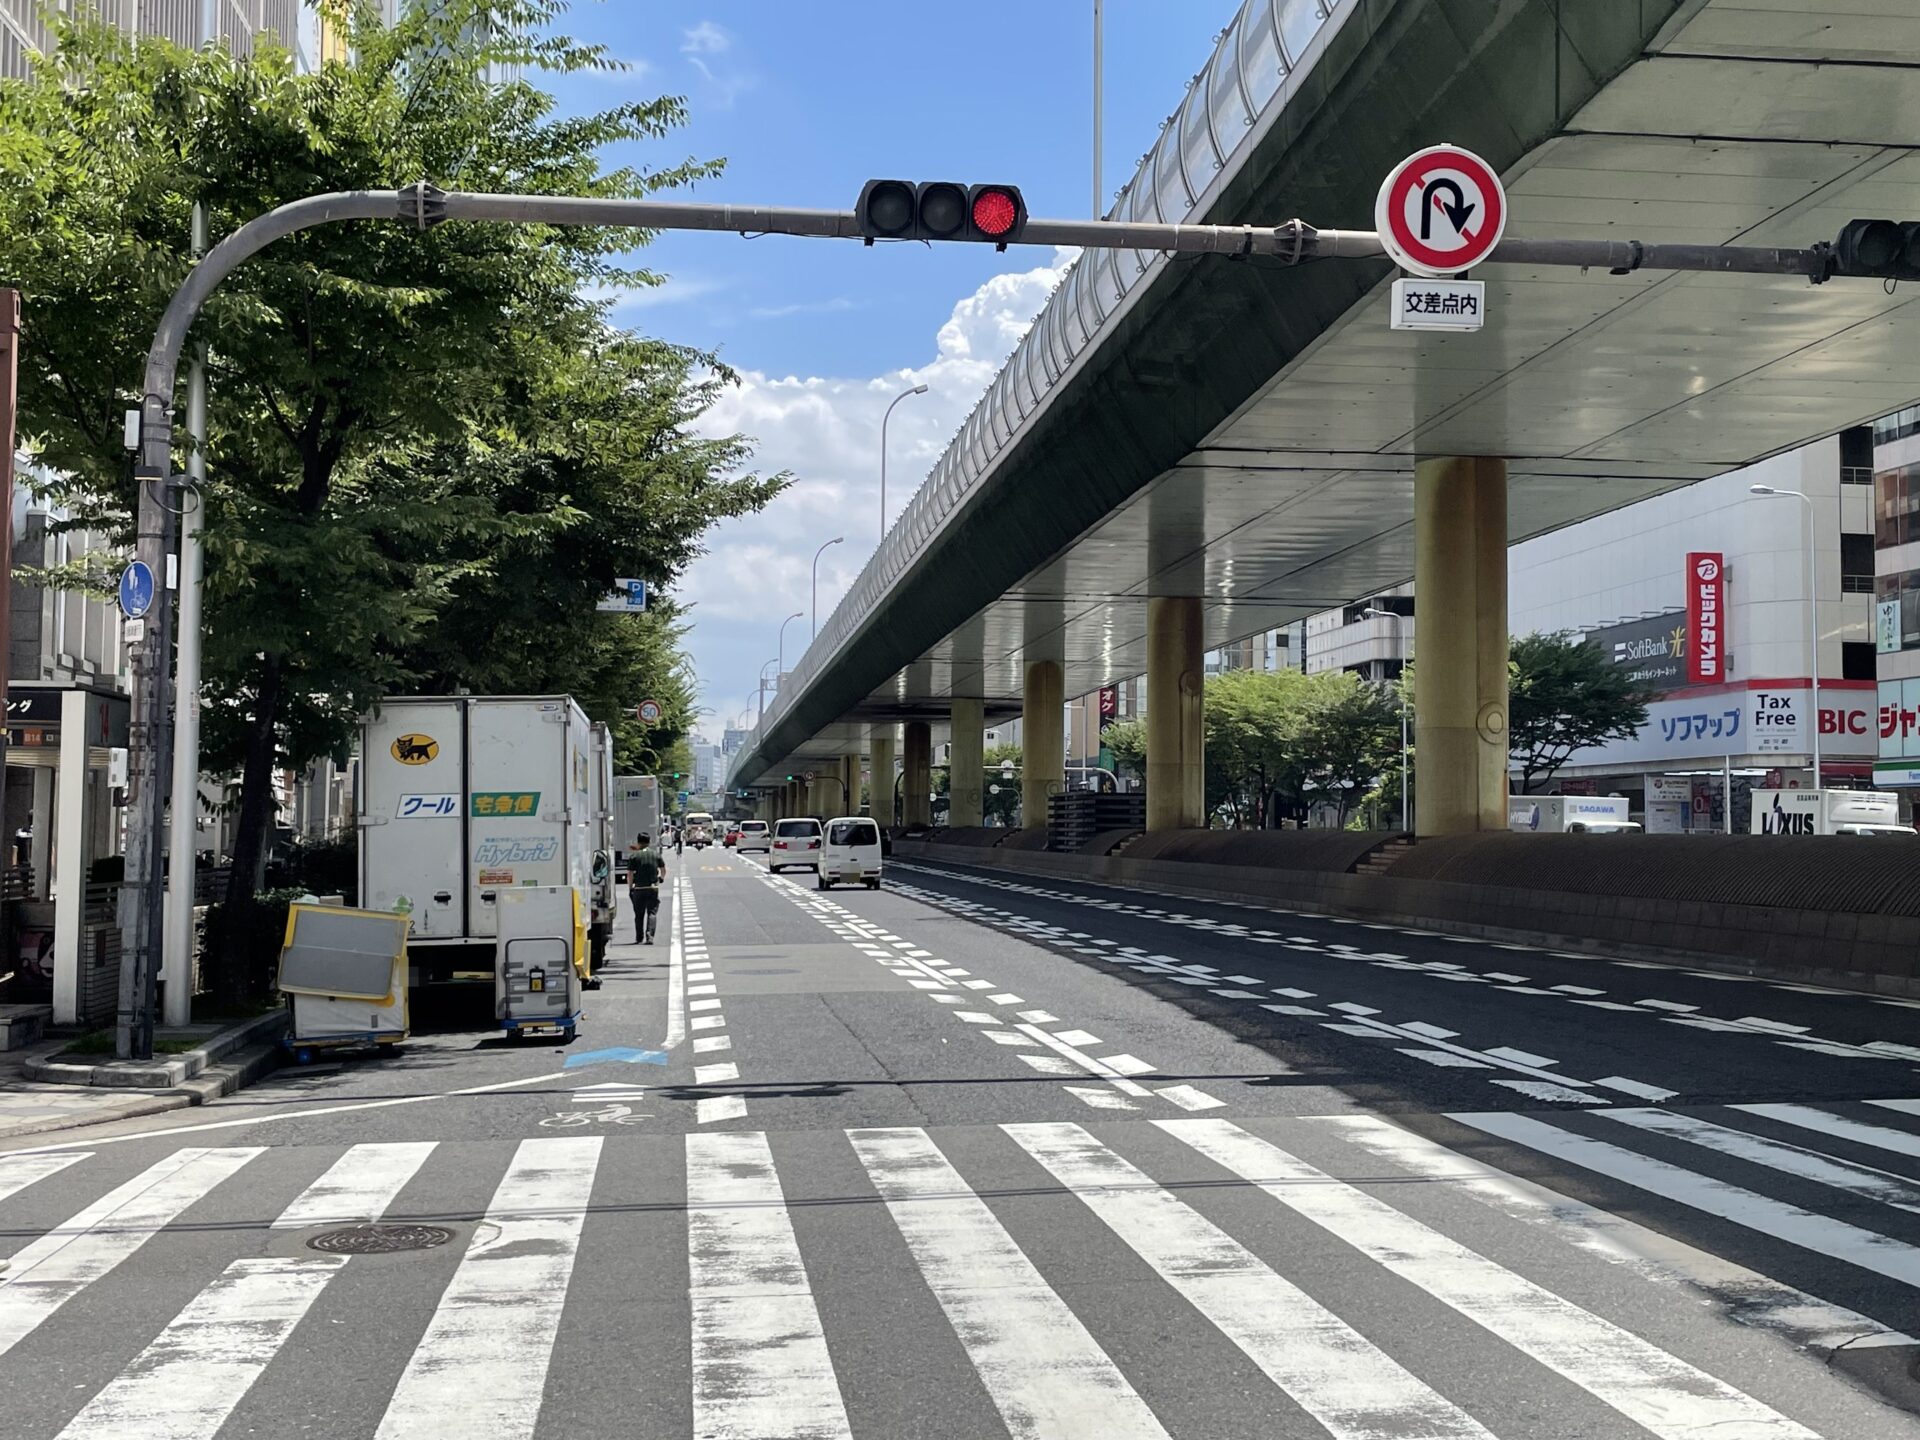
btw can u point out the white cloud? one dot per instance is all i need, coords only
(826, 431)
(676, 290)
(706, 38)
(806, 307)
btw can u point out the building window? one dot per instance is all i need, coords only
(1904, 587)
(1900, 423)
(1857, 661)
(1896, 498)
(1856, 455)
(1856, 564)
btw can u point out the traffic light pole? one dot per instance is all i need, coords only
(424, 206)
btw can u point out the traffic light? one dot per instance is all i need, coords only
(1884, 249)
(940, 210)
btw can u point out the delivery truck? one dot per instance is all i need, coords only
(1874, 813)
(1570, 814)
(464, 797)
(605, 898)
(636, 811)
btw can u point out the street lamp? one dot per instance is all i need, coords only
(816, 581)
(761, 713)
(1813, 603)
(781, 658)
(916, 390)
(1400, 644)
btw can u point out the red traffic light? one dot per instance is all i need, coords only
(996, 211)
(940, 210)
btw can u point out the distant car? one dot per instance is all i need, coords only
(852, 853)
(732, 837)
(754, 835)
(796, 846)
(699, 829)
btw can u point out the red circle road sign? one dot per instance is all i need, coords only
(649, 712)
(1441, 211)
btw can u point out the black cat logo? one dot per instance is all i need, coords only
(415, 749)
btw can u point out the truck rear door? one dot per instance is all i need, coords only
(520, 771)
(411, 814)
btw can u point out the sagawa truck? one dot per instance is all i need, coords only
(462, 797)
(1570, 814)
(1828, 812)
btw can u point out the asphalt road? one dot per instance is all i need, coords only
(974, 1156)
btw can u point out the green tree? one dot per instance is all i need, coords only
(1349, 737)
(1565, 695)
(1127, 739)
(354, 367)
(1002, 769)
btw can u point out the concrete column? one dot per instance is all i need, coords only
(1176, 730)
(1043, 741)
(60, 851)
(1460, 695)
(850, 783)
(966, 786)
(880, 748)
(916, 764)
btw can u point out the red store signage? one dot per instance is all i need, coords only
(1706, 618)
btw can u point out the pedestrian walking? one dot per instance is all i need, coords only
(646, 868)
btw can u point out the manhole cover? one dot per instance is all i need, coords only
(380, 1239)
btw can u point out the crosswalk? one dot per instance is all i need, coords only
(1072, 1279)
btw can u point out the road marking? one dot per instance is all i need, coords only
(1519, 1057)
(358, 1187)
(976, 1017)
(1051, 1064)
(1079, 1039)
(1187, 1097)
(760, 1361)
(1823, 1235)
(1432, 1032)
(709, 1022)
(1577, 990)
(1295, 1010)
(1879, 1137)
(1038, 1017)
(1100, 1099)
(17, 1172)
(1332, 1371)
(1634, 1087)
(486, 1349)
(715, 1108)
(50, 1271)
(1045, 1374)
(676, 971)
(703, 1005)
(1548, 1090)
(718, 1074)
(1445, 1058)
(1861, 1180)
(188, 1380)
(1005, 999)
(707, 1044)
(1650, 1387)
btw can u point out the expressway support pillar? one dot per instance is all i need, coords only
(796, 798)
(850, 767)
(880, 748)
(966, 783)
(1460, 695)
(1043, 741)
(916, 780)
(1176, 730)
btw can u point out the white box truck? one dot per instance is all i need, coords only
(462, 797)
(1828, 812)
(605, 897)
(636, 811)
(1570, 814)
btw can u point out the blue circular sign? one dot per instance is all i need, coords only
(136, 589)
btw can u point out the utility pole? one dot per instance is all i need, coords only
(9, 406)
(1099, 202)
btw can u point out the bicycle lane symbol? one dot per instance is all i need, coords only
(605, 1115)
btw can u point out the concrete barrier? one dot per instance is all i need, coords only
(1821, 910)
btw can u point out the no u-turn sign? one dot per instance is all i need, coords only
(1441, 211)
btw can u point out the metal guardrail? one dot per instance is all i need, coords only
(1255, 67)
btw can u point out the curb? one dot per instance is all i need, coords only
(127, 1110)
(161, 1074)
(216, 1081)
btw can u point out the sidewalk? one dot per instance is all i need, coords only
(38, 1094)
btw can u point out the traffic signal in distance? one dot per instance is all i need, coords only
(940, 210)
(1885, 249)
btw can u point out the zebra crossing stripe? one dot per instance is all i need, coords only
(760, 1361)
(19, 1171)
(1334, 1373)
(1751, 1298)
(485, 1352)
(359, 1186)
(1821, 1234)
(1047, 1376)
(1861, 1180)
(185, 1384)
(63, 1262)
(1652, 1388)
(1900, 1142)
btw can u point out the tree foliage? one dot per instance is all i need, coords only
(429, 452)
(1565, 695)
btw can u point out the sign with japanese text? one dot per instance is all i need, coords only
(1706, 617)
(1886, 626)
(1109, 704)
(506, 802)
(1763, 717)
(1437, 305)
(426, 807)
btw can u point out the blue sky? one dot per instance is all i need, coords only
(805, 102)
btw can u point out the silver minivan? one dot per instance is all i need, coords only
(851, 854)
(754, 835)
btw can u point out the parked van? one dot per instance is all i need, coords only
(796, 843)
(851, 854)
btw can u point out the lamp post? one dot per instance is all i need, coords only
(781, 658)
(1813, 606)
(761, 713)
(816, 580)
(1400, 644)
(916, 390)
